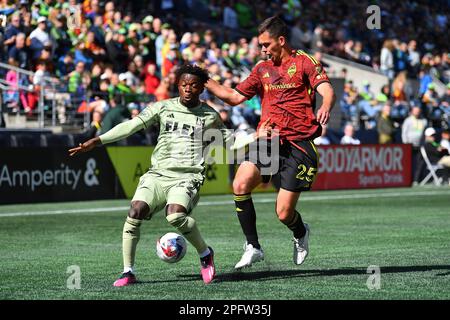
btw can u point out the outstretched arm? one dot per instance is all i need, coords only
(119, 132)
(228, 95)
(326, 91)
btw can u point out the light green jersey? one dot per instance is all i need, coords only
(181, 144)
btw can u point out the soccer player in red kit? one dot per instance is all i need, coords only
(286, 83)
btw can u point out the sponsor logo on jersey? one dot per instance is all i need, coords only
(280, 86)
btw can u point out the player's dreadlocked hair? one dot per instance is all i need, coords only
(275, 26)
(194, 70)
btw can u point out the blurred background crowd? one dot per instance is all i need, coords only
(111, 58)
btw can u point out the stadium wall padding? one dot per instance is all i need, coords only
(31, 175)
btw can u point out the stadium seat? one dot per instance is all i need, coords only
(432, 168)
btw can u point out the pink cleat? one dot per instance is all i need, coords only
(208, 269)
(125, 280)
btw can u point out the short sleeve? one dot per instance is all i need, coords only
(250, 86)
(314, 71)
(150, 114)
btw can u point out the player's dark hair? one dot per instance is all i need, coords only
(194, 70)
(275, 26)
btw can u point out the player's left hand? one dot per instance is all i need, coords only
(323, 115)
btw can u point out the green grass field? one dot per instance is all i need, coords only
(406, 232)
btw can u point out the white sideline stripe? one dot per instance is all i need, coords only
(230, 202)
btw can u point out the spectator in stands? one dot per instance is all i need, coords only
(437, 154)
(12, 30)
(323, 139)
(385, 127)
(170, 60)
(75, 86)
(115, 48)
(399, 95)
(38, 82)
(227, 61)
(11, 97)
(413, 59)
(230, 17)
(412, 130)
(118, 114)
(367, 105)
(159, 43)
(387, 59)
(131, 77)
(430, 101)
(92, 49)
(162, 92)
(301, 36)
(384, 95)
(401, 58)
(151, 80)
(65, 66)
(413, 127)
(19, 52)
(60, 36)
(444, 104)
(445, 139)
(40, 38)
(349, 110)
(348, 137)
(425, 79)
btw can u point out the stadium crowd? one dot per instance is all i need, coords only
(110, 58)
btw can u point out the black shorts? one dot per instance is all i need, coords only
(297, 165)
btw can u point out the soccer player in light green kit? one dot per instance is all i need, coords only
(177, 166)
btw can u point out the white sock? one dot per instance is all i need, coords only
(128, 269)
(205, 253)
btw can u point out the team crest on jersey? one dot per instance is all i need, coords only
(292, 70)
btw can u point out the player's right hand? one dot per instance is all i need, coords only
(85, 147)
(265, 129)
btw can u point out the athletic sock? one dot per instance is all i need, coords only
(130, 239)
(188, 228)
(205, 253)
(296, 225)
(247, 218)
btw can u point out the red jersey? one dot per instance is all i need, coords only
(287, 94)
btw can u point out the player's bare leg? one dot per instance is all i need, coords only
(139, 210)
(177, 216)
(247, 178)
(285, 208)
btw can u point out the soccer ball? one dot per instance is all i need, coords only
(171, 247)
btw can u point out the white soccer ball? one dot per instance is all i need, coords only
(171, 247)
